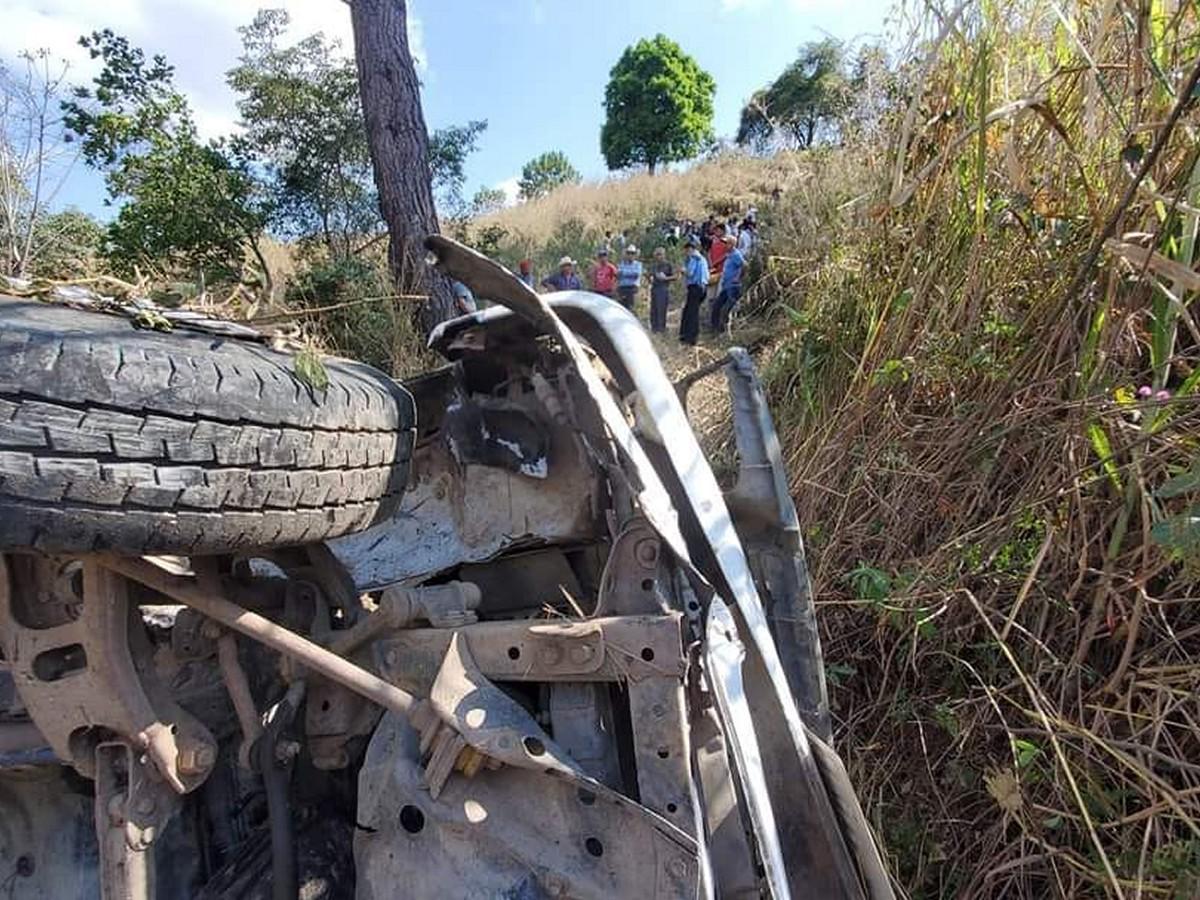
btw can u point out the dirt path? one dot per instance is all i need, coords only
(708, 405)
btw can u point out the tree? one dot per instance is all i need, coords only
(187, 204)
(67, 243)
(399, 145)
(34, 159)
(804, 104)
(448, 151)
(487, 200)
(659, 106)
(544, 173)
(302, 124)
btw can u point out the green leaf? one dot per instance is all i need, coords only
(1179, 533)
(1103, 448)
(1183, 483)
(1027, 752)
(869, 583)
(310, 370)
(837, 673)
(151, 320)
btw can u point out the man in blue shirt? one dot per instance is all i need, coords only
(730, 289)
(695, 276)
(629, 276)
(565, 278)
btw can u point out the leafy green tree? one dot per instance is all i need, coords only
(487, 200)
(67, 244)
(303, 125)
(448, 151)
(544, 173)
(804, 104)
(186, 204)
(659, 106)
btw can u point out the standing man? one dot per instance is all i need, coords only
(565, 278)
(731, 286)
(747, 235)
(695, 269)
(629, 276)
(716, 262)
(525, 271)
(707, 229)
(661, 275)
(604, 274)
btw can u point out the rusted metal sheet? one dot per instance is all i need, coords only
(514, 833)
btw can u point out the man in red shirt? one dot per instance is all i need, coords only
(604, 274)
(716, 262)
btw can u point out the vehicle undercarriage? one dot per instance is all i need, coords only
(501, 635)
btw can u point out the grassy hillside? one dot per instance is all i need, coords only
(573, 219)
(984, 366)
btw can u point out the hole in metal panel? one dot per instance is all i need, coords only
(412, 819)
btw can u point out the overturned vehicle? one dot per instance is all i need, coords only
(494, 631)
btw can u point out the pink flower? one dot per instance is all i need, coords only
(1145, 391)
(1162, 396)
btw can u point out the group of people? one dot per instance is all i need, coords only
(713, 269)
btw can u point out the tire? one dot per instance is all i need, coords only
(136, 442)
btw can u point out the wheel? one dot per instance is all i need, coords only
(114, 438)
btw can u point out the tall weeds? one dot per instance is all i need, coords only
(988, 398)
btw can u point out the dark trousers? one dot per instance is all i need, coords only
(689, 323)
(723, 306)
(658, 310)
(627, 296)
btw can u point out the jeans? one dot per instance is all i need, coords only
(723, 306)
(689, 322)
(626, 296)
(659, 301)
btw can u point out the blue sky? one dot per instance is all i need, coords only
(535, 69)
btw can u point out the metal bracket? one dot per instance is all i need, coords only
(631, 573)
(132, 806)
(92, 676)
(617, 648)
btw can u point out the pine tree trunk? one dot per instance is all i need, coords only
(399, 143)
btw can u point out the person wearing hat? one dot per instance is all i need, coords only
(604, 274)
(629, 276)
(695, 276)
(731, 286)
(565, 278)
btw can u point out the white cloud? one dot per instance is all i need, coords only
(511, 189)
(215, 121)
(198, 37)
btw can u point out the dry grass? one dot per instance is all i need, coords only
(573, 219)
(1007, 592)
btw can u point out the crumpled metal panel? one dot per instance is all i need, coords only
(454, 514)
(765, 516)
(680, 495)
(510, 833)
